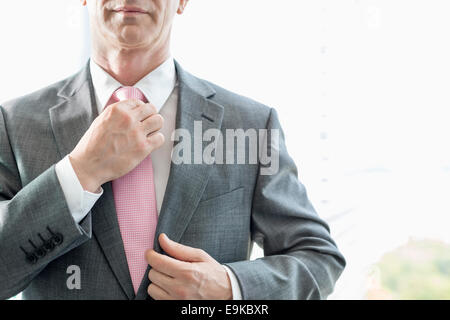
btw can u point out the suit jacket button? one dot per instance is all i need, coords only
(31, 258)
(57, 238)
(49, 245)
(40, 252)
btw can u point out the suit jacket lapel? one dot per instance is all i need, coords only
(72, 117)
(107, 232)
(186, 182)
(69, 120)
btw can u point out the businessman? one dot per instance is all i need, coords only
(89, 189)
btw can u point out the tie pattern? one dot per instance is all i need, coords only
(135, 201)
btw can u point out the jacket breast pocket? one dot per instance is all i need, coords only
(226, 201)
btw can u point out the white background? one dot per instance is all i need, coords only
(361, 89)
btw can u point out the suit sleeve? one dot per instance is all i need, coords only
(301, 260)
(36, 226)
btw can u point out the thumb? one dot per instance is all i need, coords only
(181, 252)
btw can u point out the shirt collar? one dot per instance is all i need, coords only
(156, 86)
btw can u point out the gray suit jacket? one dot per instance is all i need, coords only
(222, 209)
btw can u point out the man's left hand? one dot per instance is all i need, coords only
(186, 274)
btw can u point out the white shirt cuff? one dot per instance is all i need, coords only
(79, 201)
(235, 288)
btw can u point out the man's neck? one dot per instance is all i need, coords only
(130, 66)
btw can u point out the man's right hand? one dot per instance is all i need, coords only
(117, 141)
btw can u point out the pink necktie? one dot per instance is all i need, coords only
(135, 200)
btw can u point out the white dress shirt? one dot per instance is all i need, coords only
(160, 88)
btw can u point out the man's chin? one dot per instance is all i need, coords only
(132, 36)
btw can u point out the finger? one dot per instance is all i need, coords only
(131, 104)
(152, 123)
(158, 293)
(155, 140)
(125, 106)
(160, 279)
(182, 252)
(144, 111)
(165, 264)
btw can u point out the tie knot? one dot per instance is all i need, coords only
(125, 93)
